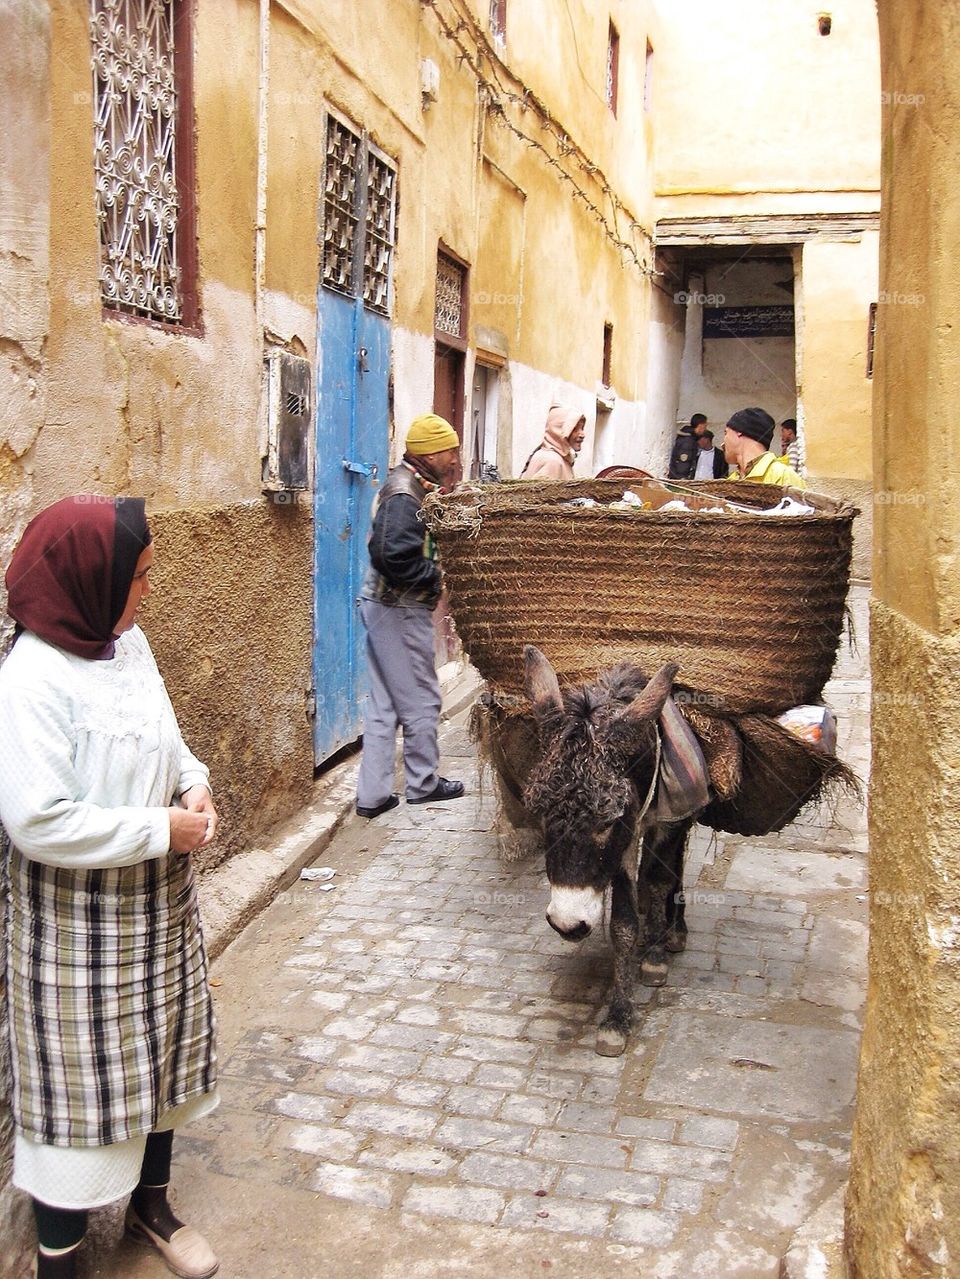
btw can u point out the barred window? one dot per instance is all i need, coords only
(359, 217)
(449, 312)
(143, 162)
(613, 67)
(498, 21)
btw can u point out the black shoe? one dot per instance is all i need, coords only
(444, 789)
(385, 807)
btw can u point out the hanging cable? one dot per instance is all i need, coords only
(496, 96)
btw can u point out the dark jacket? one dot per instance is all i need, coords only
(403, 568)
(683, 459)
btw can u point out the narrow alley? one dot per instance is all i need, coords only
(408, 1074)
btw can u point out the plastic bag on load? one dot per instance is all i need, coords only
(814, 724)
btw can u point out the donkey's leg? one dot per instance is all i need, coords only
(614, 1030)
(676, 938)
(662, 868)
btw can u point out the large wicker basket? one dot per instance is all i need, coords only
(750, 606)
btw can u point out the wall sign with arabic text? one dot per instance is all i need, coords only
(748, 322)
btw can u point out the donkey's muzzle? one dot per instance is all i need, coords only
(574, 912)
(576, 933)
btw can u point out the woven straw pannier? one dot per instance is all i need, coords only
(751, 606)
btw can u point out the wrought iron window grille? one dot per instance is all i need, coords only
(359, 217)
(135, 123)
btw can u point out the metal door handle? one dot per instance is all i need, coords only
(362, 360)
(367, 469)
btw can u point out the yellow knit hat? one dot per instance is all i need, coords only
(430, 434)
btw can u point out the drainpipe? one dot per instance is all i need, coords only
(260, 242)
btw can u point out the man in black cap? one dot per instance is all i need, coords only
(683, 459)
(746, 445)
(711, 464)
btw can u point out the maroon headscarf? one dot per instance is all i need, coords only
(71, 573)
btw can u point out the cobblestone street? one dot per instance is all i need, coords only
(408, 1076)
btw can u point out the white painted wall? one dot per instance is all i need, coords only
(635, 433)
(721, 375)
(412, 384)
(533, 393)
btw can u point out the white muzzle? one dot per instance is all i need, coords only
(575, 910)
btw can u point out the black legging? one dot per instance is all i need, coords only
(59, 1228)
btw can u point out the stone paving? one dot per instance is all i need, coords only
(408, 1072)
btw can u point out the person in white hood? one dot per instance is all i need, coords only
(553, 459)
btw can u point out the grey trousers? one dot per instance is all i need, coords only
(404, 690)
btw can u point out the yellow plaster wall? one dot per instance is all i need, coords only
(758, 102)
(903, 1203)
(560, 51)
(839, 283)
(132, 408)
(567, 282)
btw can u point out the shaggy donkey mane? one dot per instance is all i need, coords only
(583, 777)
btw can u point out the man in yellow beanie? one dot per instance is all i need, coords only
(399, 594)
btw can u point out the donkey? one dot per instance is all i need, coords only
(592, 787)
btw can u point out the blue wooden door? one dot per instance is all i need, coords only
(352, 434)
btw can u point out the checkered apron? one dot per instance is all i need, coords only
(111, 1021)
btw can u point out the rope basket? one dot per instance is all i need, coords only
(751, 606)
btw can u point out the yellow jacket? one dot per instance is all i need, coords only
(768, 469)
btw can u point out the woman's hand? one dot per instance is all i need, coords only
(193, 825)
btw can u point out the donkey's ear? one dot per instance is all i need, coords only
(648, 704)
(540, 682)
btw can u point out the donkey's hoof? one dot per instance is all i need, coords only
(675, 941)
(610, 1041)
(653, 972)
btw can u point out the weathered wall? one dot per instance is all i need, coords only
(24, 260)
(130, 407)
(229, 619)
(722, 375)
(543, 278)
(839, 283)
(903, 1204)
(762, 113)
(24, 319)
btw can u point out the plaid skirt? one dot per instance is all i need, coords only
(111, 1020)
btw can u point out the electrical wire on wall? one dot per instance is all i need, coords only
(498, 97)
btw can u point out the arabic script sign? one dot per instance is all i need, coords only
(748, 322)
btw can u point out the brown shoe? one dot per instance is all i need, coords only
(186, 1252)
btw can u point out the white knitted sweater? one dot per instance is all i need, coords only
(90, 755)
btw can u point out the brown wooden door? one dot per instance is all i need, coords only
(448, 392)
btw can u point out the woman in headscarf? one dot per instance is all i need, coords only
(553, 459)
(111, 1023)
